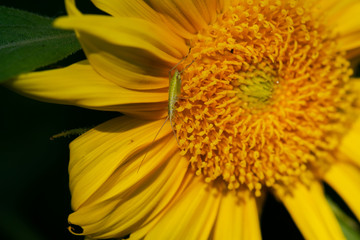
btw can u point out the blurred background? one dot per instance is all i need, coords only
(35, 199)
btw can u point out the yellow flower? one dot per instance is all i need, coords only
(267, 105)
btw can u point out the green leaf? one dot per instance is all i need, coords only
(28, 41)
(349, 226)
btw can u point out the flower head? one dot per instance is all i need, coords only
(267, 104)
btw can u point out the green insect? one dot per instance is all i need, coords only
(174, 92)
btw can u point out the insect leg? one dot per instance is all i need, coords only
(172, 127)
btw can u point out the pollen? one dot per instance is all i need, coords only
(267, 97)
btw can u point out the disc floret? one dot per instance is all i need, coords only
(267, 98)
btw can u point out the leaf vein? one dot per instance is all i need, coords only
(30, 41)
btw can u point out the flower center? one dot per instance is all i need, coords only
(254, 88)
(267, 97)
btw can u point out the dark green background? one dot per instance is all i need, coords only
(35, 199)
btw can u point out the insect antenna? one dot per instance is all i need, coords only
(172, 69)
(167, 118)
(186, 67)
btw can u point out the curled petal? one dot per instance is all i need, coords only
(131, 52)
(80, 85)
(130, 32)
(133, 195)
(96, 155)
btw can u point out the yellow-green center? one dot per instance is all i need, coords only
(255, 88)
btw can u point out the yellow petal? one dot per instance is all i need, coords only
(129, 8)
(117, 212)
(348, 19)
(132, 8)
(334, 8)
(192, 216)
(140, 9)
(155, 217)
(237, 218)
(80, 85)
(206, 9)
(350, 143)
(201, 11)
(98, 154)
(345, 180)
(311, 212)
(176, 12)
(130, 32)
(350, 41)
(191, 12)
(127, 67)
(71, 8)
(192, 15)
(344, 16)
(133, 52)
(252, 225)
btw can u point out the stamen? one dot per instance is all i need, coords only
(267, 97)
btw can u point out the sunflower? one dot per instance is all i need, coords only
(268, 105)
